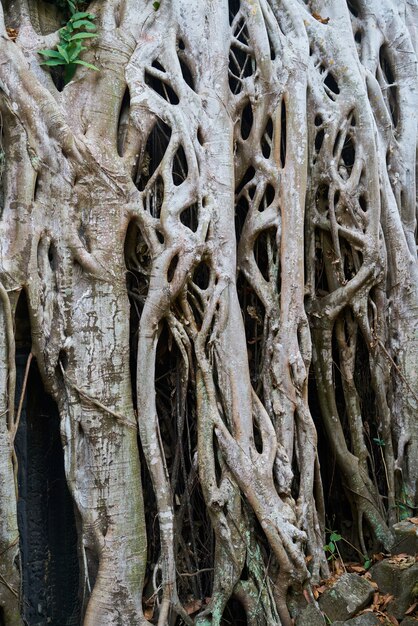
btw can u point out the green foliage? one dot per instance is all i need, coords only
(156, 5)
(331, 546)
(405, 505)
(367, 564)
(378, 441)
(78, 28)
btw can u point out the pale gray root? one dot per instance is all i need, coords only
(261, 145)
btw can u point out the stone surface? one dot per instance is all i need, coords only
(400, 579)
(406, 538)
(365, 619)
(410, 621)
(310, 616)
(349, 595)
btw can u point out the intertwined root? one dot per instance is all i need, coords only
(259, 173)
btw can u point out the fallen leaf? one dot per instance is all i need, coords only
(307, 596)
(392, 620)
(386, 599)
(193, 606)
(149, 613)
(323, 20)
(411, 609)
(413, 520)
(12, 33)
(358, 569)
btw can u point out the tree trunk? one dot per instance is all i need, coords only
(230, 196)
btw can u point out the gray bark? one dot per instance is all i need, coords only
(251, 166)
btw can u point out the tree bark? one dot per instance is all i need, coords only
(230, 197)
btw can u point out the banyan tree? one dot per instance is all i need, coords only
(208, 302)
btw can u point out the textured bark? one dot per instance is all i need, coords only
(231, 196)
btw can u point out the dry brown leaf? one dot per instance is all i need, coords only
(358, 569)
(411, 608)
(307, 596)
(149, 613)
(12, 33)
(193, 606)
(386, 599)
(323, 20)
(413, 520)
(392, 620)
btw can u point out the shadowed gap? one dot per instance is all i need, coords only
(46, 520)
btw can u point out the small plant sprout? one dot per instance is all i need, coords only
(72, 36)
(332, 547)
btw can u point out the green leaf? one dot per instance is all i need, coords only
(380, 442)
(50, 53)
(64, 53)
(86, 23)
(89, 65)
(53, 62)
(69, 72)
(81, 15)
(331, 547)
(156, 5)
(367, 564)
(82, 36)
(335, 537)
(74, 51)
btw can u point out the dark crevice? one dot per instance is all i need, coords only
(241, 65)
(46, 518)
(234, 7)
(180, 168)
(283, 135)
(363, 203)
(190, 217)
(247, 121)
(389, 89)
(249, 175)
(172, 268)
(187, 74)
(162, 88)
(319, 139)
(267, 139)
(36, 187)
(241, 211)
(158, 66)
(268, 197)
(352, 7)
(201, 275)
(266, 239)
(123, 121)
(348, 153)
(155, 148)
(332, 84)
